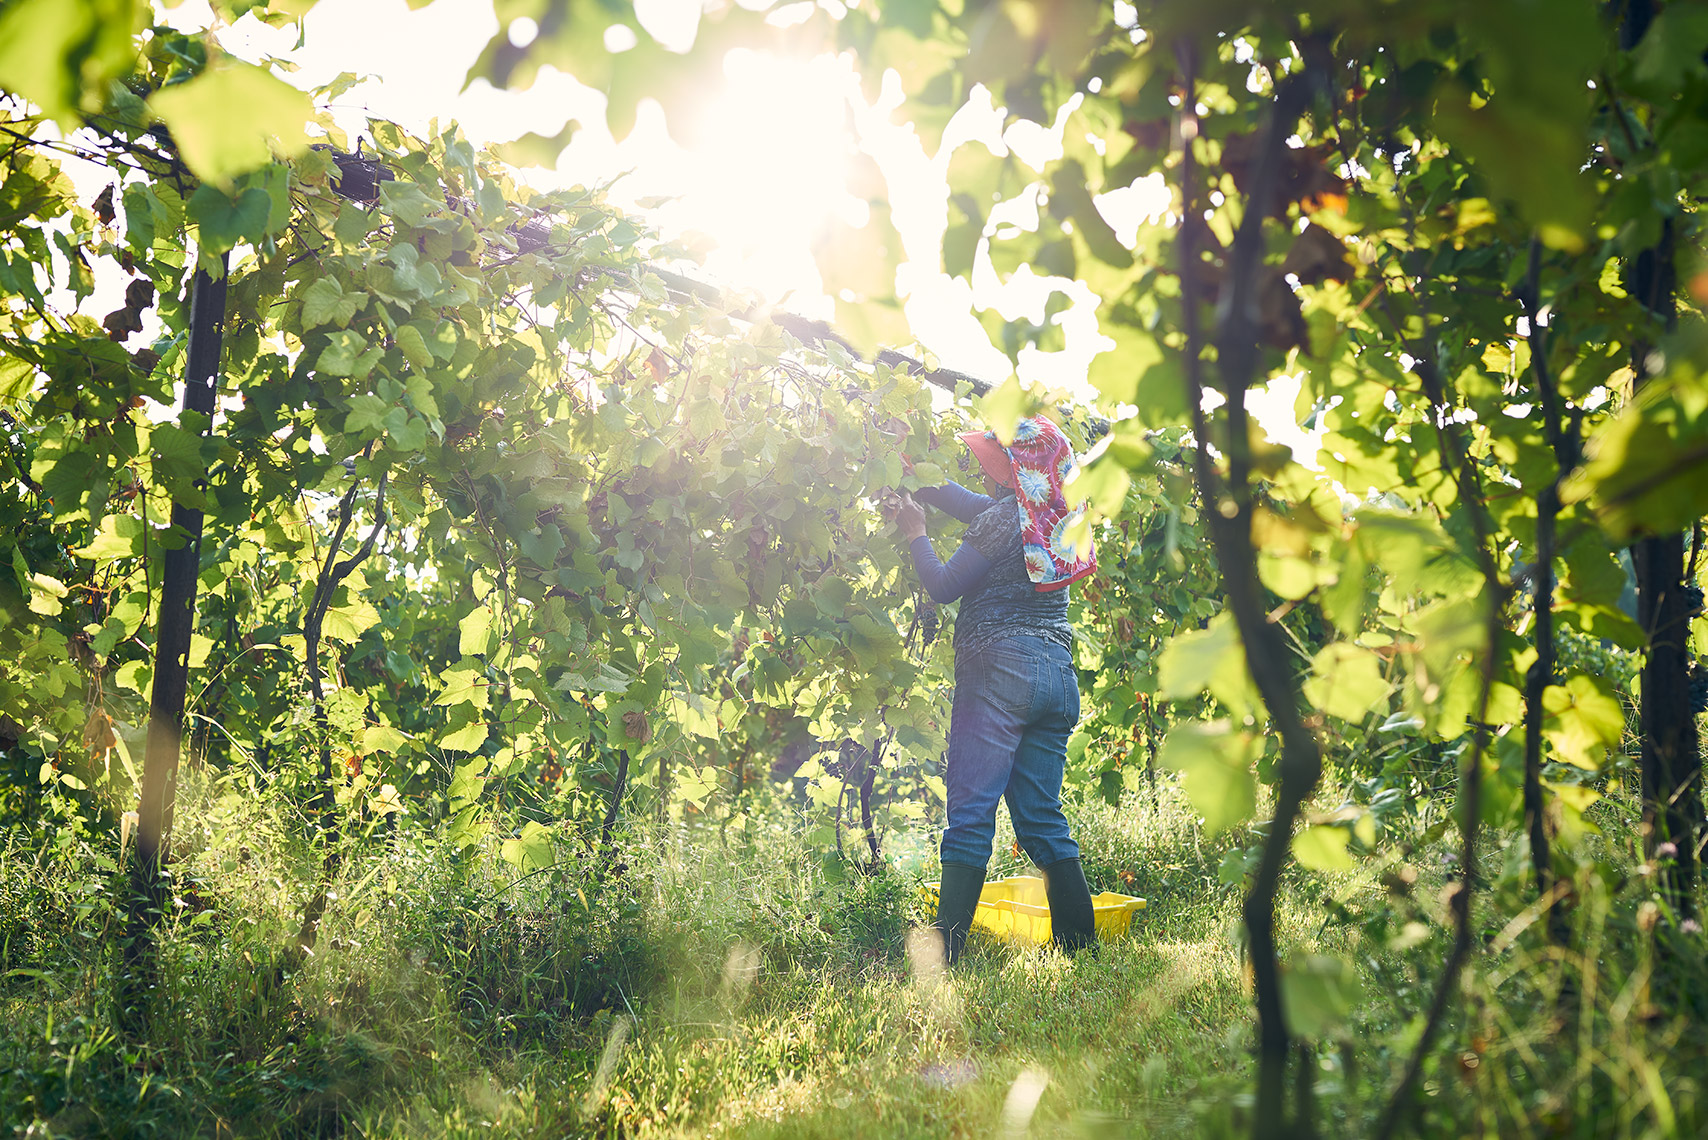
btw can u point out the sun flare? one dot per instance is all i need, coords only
(764, 168)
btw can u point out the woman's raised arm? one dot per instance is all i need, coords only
(955, 501)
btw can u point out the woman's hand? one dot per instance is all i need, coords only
(909, 518)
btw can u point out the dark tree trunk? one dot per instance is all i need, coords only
(1151, 746)
(176, 621)
(1671, 760)
(867, 784)
(1227, 509)
(1672, 753)
(1563, 430)
(616, 804)
(1541, 675)
(866, 814)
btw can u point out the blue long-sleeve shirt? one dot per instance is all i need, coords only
(988, 574)
(966, 568)
(955, 501)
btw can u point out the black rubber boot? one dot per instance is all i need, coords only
(957, 902)
(1072, 920)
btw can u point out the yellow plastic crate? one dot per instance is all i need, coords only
(1017, 909)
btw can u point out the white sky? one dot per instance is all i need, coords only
(760, 175)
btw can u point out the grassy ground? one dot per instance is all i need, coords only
(732, 982)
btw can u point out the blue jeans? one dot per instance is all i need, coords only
(1016, 704)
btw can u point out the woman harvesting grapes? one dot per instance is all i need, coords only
(1016, 694)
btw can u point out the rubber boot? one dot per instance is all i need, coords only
(1072, 920)
(957, 902)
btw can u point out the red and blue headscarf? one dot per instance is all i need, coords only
(1036, 465)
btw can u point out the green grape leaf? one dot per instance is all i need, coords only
(1209, 658)
(1101, 481)
(465, 738)
(474, 632)
(414, 346)
(64, 54)
(367, 414)
(694, 714)
(137, 676)
(1672, 47)
(594, 677)
(407, 202)
(1005, 406)
(139, 200)
(535, 149)
(224, 222)
(467, 828)
(1115, 372)
(1323, 848)
(343, 353)
(382, 740)
(1346, 681)
(1646, 469)
(1583, 720)
(1317, 994)
(325, 303)
(464, 684)
(1070, 198)
(17, 377)
(119, 536)
(349, 621)
(468, 781)
(47, 594)
(1215, 766)
(111, 633)
(532, 849)
(232, 118)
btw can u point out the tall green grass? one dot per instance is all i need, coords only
(734, 981)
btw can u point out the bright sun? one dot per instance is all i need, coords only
(763, 169)
(759, 171)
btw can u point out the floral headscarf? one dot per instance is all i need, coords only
(1036, 465)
